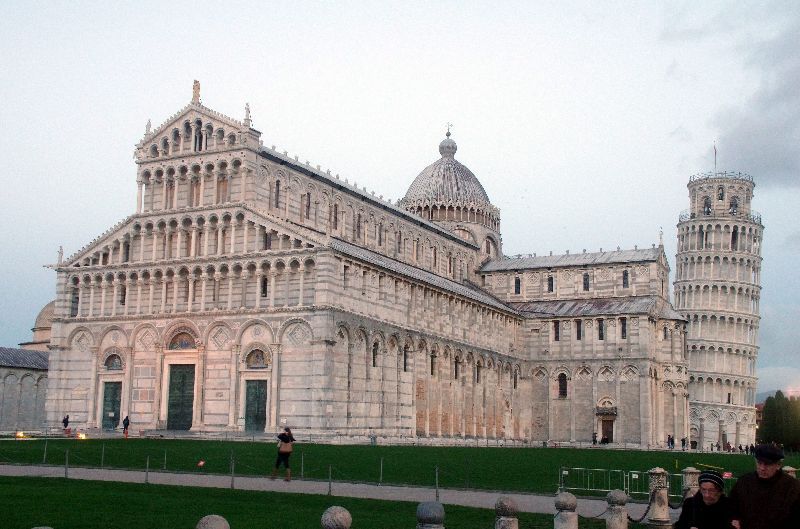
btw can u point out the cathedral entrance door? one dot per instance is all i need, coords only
(181, 397)
(608, 430)
(255, 412)
(112, 392)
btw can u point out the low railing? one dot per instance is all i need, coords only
(753, 216)
(735, 175)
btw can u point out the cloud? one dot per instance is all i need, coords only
(762, 136)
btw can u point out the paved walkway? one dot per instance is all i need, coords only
(587, 507)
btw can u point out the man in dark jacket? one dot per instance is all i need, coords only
(709, 508)
(767, 498)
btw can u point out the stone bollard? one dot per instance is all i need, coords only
(336, 518)
(791, 471)
(690, 481)
(659, 499)
(566, 517)
(505, 510)
(212, 521)
(430, 515)
(617, 512)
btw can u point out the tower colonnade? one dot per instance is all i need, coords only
(718, 289)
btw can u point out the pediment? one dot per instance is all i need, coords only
(99, 251)
(194, 116)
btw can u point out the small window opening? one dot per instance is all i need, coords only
(517, 285)
(586, 282)
(601, 330)
(562, 386)
(625, 279)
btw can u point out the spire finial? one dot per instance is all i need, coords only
(448, 129)
(196, 92)
(660, 236)
(147, 128)
(60, 254)
(247, 120)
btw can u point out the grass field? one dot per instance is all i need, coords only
(502, 469)
(73, 504)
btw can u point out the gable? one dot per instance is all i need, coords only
(105, 249)
(214, 129)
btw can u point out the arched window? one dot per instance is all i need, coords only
(375, 354)
(123, 294)
(433, 365)
(457, 367)
(601, 330)
(735, 238)
(264, 287)
(434, 259)
(720, 193)
(335, 216)
(357, 228)
(256, 359)
(478, 370)
(625, 279)
(578, 329)
(516, 379)
(517, 285)
(586, 282)
(399, 243)
(405, 358)
(73, 305)
(562, 386)
(733, 209)
(623, 328)
(380, 234)
(182, 340)
(550, 283)
(666, 333)
(556, 331)
(113, 362)
(707, 206)
(277, 193)
(308, 205)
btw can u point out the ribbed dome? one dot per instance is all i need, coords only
(45, 318)
(446, 181)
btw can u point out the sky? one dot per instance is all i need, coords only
(582, 120)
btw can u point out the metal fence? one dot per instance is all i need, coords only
(635, 483)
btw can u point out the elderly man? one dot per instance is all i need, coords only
(767, 498)
(709, 508)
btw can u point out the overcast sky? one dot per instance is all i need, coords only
(583, 120)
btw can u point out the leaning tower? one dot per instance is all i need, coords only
(717, 289)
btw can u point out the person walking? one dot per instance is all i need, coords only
(285, 447)
(767, 498)
(65, 422)
(709, 508)
(126, 422)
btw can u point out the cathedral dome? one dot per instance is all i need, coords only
(446, 181)
(45, 318)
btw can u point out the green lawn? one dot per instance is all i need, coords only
(502, 469)
(74, 504)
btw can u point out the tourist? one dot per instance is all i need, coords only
(767, 498)
(709, 508)
(285, 442)
(65, 421)
(126, 422)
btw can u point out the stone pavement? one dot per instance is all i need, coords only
(534, 503)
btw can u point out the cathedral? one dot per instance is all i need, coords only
(250, 290)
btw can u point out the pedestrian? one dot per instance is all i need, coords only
(285, 444)
(709, 508)
(126, 422)
(65, 422)
(683, 443)
(767, 498)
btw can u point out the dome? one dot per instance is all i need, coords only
(45, 318)
(446, 181)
